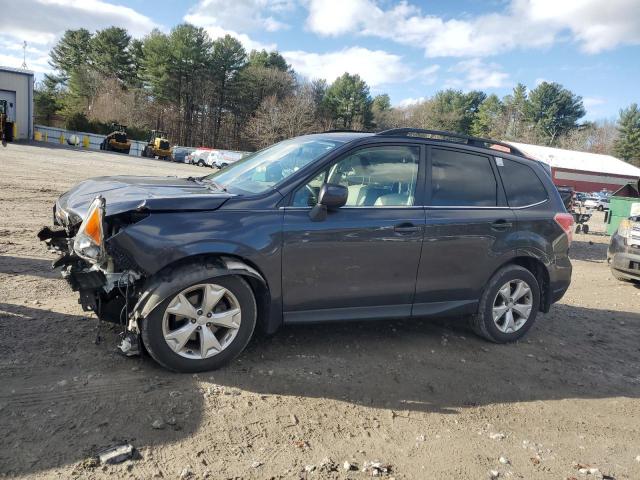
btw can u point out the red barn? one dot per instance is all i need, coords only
(585, 172)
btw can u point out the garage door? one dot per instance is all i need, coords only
(10, 97)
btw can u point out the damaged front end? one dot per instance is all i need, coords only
(107, 283)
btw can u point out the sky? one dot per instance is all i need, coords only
(409, 49)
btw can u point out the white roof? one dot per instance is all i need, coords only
(574, 160)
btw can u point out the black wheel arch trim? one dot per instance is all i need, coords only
(193, 269)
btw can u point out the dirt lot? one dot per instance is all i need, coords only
(426, 397)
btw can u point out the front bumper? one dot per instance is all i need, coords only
(624, 259)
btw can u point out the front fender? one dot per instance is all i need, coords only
(174, 278)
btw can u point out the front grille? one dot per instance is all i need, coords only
(122, 259)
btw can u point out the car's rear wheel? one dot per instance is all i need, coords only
(203, 326)
(201, 163)
(508, 306)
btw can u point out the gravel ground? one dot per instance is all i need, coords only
(427, 398)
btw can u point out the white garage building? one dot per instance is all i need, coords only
(16, 88)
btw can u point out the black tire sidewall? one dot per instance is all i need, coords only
(156, 345)
(513, 272)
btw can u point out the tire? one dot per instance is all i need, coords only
(600, 208)
(155, 326)
(577, 228)
(483, 324)
(585, 228)
(201, 163)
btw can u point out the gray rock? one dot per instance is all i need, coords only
(157, 424)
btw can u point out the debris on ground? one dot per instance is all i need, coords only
(327, 465)
(186, 473)
(117, 454)
(349, 466)
(376, 469)
(504, 460)
(493, 474)
(158, 424)
(256, 464)
(497, 436)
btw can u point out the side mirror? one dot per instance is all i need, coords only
(331, 197)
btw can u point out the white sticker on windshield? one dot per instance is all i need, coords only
(499, 162)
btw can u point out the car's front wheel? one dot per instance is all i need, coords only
(508, 306)
(203, 326)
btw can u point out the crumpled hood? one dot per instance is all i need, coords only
(127, 193)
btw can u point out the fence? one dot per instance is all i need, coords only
(89, 141)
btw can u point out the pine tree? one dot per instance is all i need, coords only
(627, 145)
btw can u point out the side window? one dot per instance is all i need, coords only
(375, 177)
(462, 179)
(522, 185)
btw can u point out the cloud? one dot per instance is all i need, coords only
(476, 75)
(42, 22)
(594, 25)
(590, 102)
(376, 67)
(221, 17)
(247, 42)
(240, 15)
(407, 102)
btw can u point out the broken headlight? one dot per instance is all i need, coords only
(89, 241)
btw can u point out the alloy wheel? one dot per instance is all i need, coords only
(201, 321)
(512, 306)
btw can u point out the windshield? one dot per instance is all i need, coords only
(264, 169)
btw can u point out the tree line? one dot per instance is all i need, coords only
(213, 92)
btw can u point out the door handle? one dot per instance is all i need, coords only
(501, 225)
(406, 227)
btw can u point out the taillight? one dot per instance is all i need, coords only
(566, 222)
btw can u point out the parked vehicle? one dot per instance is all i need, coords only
(199, 157)
(326, 227)
(157, 146)
(597, 203)
(179, 154)
(117, 141)
(223, 158)
(623, 254)
(580, 197)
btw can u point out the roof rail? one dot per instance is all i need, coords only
(469, 140)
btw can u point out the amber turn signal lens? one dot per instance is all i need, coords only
(93, 227)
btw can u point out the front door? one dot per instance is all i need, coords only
(468, 225)
(361, 260)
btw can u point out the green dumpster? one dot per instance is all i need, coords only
(620, 205)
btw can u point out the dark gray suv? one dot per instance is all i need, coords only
(325, 227)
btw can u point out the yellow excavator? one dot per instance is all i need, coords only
(3, 122)
(158, 146)
(117, 140)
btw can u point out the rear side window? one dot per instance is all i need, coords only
(462, 179)
(522, 185)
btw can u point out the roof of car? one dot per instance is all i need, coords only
(341, 135)
(432, 135)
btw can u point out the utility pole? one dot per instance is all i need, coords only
(24, 55)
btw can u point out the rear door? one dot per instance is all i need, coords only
(468, 226)
(361, 260)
